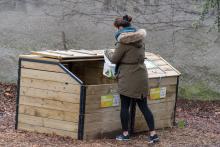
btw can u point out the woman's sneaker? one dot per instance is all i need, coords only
(122, 137)
(153, 139)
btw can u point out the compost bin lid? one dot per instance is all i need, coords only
(159, 67)
(70, 54)
(156, 65)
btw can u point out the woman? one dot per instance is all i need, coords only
(131, 73)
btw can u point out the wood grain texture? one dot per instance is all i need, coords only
(39, 129)
(50, 104)
(49, 113)
(163, 116)
(41, 66)
(101, 127)
(102, 116)
(50, 85)
(100, 89)
(50, 94)
(38, 57)
(160, 123)
(47, 76)
(155, 82)
(48, 123)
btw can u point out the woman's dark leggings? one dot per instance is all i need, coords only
(142, 104)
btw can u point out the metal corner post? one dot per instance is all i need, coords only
(82, 112)
(18, 93)
(177, 89)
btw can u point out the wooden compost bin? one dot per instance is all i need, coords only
(61, 92)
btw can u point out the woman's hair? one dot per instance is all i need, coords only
(124, 21)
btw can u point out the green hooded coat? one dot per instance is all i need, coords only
(129, 55)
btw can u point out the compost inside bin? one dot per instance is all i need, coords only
(89, 72)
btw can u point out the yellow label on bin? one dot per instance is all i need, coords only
(109, 100)
(158, 93)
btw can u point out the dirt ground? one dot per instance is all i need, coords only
(201, 129)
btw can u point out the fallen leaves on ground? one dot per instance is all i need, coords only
(202, 129)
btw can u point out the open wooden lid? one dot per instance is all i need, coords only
(70, 54)
(156, 65)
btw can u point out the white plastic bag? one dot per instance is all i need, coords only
(109, 68)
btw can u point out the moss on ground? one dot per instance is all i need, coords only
(198, 91)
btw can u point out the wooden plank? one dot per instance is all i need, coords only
(100, 131)
(161, 113)
(61, 54)
(102, 135)
(104, 110)
(49, 113)
(168, 98)
(163, 81)
(153, 57)
(93, 101)
(169, 89)
(50, 54)
(50, 104)
(48, 123)
(162, 75)
(39, 129)
(102, 116)
(41, 66)
(101, 89)
(81, 60)
(158, 106)
(157, 115)
(50, 85)
(89, 52)
(148, 54)
(159, 62)
(49, 94)
(171, 73)
(48, 76)
(140, 119)
(155, 73)
(177, 72)
(94, 108)
(107, 126)
(99, 52)
(166, 68)
(76, 53)
(93, 97)
(37, 57)
(159, 124)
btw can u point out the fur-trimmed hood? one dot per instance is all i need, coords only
(131, 37)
